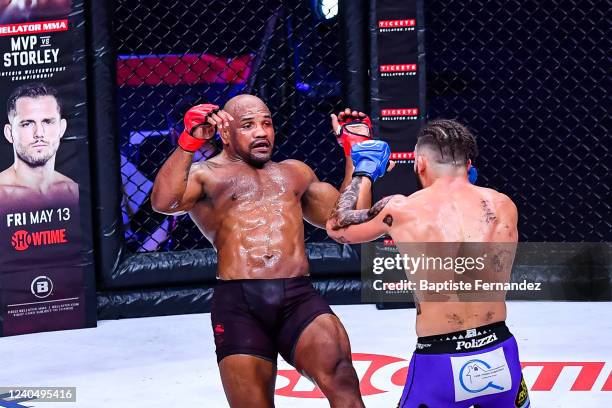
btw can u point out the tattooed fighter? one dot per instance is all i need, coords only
(465, 355)
(251, 209)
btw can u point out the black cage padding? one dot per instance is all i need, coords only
(199, 266)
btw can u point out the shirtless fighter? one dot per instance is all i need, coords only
(443, 372)
(251, 209)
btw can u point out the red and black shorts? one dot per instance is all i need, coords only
(263, 317)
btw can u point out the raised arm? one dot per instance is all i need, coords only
(350, 225)
(179, 183)
(319, 198)
(352, 127)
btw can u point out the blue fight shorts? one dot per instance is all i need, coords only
(478, 367)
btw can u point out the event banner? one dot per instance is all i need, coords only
(398, 87)
(46, 270)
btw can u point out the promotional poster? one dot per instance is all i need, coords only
(46, 274)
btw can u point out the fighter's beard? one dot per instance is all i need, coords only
(256, 161)
(344, 213)
(33, 161)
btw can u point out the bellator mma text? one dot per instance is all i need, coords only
(37, 217)
(23, 52)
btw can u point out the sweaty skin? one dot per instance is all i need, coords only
(449, 210)
(249, 207)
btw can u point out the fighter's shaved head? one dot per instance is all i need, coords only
(447, 142)
(250, 135)
(242, 104)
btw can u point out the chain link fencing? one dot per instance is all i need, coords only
(529, 78)
(172, 55)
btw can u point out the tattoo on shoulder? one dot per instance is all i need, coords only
(378, 207)
(489, 215)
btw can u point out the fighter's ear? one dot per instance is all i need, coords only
(421, 163)
(63, 125)
(224, 134)
(8, 134)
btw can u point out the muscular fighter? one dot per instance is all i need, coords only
(465, 355)
(251, 209)
(35, 128)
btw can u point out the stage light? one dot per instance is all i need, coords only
(326, 9)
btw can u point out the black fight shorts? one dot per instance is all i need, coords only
(263, 317)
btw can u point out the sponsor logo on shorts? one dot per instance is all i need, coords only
(22, 240)
(481, 374)
(421, 346)
(522, 396)
(470, 333)
(393, 70)
(399, 114)
(218, 330)
(396, 26)
(476, 343)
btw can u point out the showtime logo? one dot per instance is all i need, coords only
(22, 239)
(398, 70)
(380, 374)
(395, 26)
(399, 114)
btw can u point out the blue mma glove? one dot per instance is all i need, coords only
(472, 175)
(370, 158)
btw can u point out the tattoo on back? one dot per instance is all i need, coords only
(345, 214)
(488, 213)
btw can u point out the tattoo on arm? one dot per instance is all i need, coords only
(345, 214)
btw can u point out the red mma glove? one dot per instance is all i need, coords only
(196, 116)
(354, 127)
